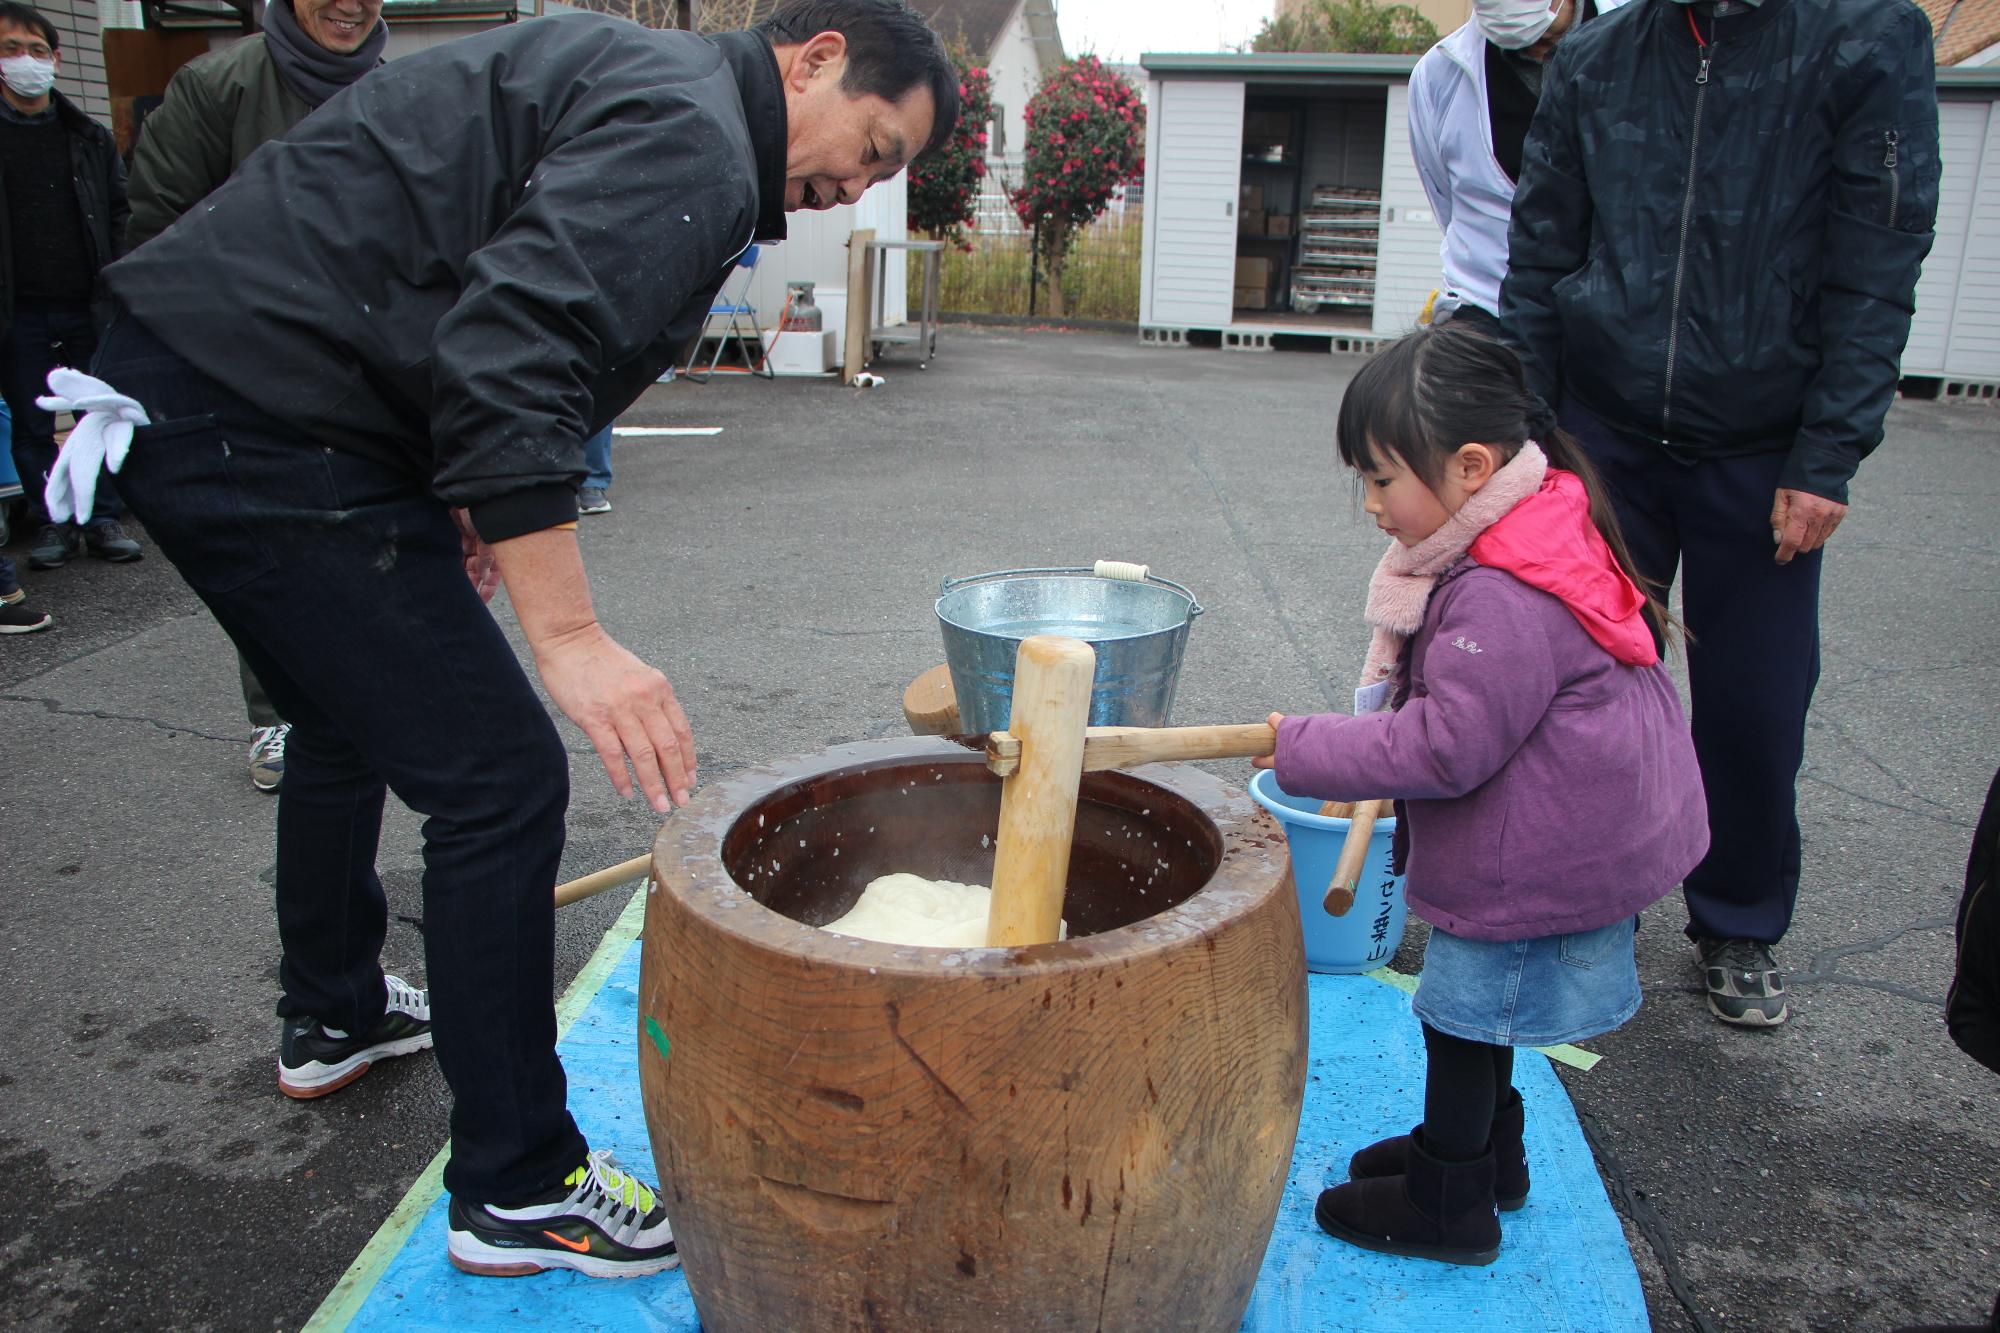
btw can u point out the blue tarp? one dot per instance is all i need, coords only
(1563, 1262)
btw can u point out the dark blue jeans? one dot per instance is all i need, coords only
(37, 342)
(1752, 665)
(341, 583)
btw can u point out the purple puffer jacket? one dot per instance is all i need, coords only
(1548, 788)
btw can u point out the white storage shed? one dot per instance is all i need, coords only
(1955, 337)
(1281, 200)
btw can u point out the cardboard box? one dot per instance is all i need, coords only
(1250, 197)
(1251, 298)
(1251, 222)
(1254, 273)
(1278, 224)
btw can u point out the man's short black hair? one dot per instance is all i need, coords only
(890, 51)
(27, 16)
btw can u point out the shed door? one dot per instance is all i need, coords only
(1972, 351)
(1962, 141)
(1192, 177)
(1407, 266)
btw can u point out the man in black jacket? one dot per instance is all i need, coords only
(416, 306)
(1712, 265)
(62, 221)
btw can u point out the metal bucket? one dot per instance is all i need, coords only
(1136, 622)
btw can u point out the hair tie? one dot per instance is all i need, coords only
(1540, 420)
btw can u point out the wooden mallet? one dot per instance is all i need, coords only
(1051, 711)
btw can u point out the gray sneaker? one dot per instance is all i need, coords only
(1745, 986)
(55, 546)
(267, 757)
(106, 540)
(593, 500)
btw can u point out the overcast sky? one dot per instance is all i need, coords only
(1120, 30)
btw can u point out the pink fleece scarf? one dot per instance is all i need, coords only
(1401, 587)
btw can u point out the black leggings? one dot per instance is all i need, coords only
(1468, 1082)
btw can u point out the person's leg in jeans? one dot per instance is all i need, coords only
(373, 643)
(594, 496)
(1752, 665)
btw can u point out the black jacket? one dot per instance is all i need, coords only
(1972, 1009)
(472, 259)
(1716, 249)
(99, 174)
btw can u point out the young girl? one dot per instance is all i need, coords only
(1547, 783)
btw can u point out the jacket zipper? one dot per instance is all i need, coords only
(1687, 215)
(1890, 138)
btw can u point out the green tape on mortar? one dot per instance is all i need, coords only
(351, 1291)
(659, 1037)
(1573, 1056)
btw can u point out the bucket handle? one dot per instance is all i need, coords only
(1102, 569)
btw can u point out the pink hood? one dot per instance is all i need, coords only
(1548, 542)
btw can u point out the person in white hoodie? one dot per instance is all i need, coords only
(1471, 99)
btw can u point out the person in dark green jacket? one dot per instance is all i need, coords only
(219, 109)
(1712, 265)
(223, 106)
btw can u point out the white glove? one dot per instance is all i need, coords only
(102, 437)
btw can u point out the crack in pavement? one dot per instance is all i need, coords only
(172, 729)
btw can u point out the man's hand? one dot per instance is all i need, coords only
(480, 567)
(1801, 522)
(626, 707)
(1269, 760)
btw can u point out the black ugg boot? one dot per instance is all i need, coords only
(1510, 1158)
(1434, 1210)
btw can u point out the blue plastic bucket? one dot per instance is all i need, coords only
(1365, 937)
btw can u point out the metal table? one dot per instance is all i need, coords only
(925, 333)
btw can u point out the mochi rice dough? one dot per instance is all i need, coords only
(909, 909)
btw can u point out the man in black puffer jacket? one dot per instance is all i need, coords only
(1713, 260)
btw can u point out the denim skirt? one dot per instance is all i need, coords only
(1538, 992)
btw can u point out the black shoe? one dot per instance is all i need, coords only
(55, 546)
(1437, 1210)
(600, 1221)
(105, 538)
(314, 1060)
(16, 618)
(1390, 1157)
(1745, 986)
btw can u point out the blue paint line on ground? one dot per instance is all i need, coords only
(1563, 1262)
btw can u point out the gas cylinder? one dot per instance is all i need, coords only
(803, 315)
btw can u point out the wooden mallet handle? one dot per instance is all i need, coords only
(1353, 852)
(1051, 708)
(1125, 747)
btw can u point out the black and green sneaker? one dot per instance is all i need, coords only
(314, 1059)
(600, 1221)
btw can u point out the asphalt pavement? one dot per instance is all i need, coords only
(1839, 1173)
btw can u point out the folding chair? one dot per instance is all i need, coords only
(740, 325)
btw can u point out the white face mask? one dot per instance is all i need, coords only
(1513, 24)
(28, 76)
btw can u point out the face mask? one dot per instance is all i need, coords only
(1513, 24)
(28, 76)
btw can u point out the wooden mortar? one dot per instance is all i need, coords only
(1087, 1134)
